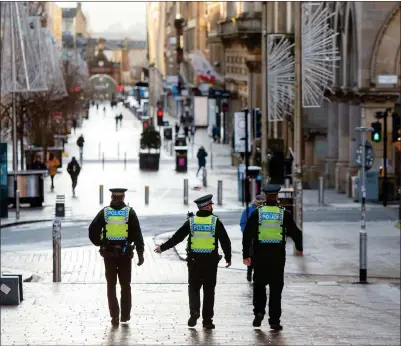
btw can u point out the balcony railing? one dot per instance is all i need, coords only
(250, 23)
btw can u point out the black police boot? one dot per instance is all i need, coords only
(125, 318)
(276, 326)
(114, 321)
(193, 319)
(257, 321)
(208, 324)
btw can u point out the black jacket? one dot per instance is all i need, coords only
(134, 229)
(250, 236)
(221, 235)
(73, 168)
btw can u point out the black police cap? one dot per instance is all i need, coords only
(118, 191)
(271, 189)
(204, 201)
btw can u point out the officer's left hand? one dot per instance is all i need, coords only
(140, 260)
(158, 250)
(228, 264)
(247, 261)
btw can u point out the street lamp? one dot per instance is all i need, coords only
(179, 25)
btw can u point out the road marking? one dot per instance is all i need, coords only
(5, 289)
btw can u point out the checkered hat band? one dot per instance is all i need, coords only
(118, 193)
(204, 204)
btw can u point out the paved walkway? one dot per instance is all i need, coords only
(314, 313)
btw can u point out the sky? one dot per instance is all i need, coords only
(113, 19)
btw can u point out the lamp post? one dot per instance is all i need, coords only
(179, 24)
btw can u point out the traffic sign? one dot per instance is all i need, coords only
(369, 156)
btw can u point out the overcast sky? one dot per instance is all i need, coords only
(114, 18)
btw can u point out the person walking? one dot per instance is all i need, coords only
(80, 143)
(177, 129)
(114, 229)
(37, 164)
(52, 164)
(201, 155)
(266, 232)
(74, 125)
(204, 232)
(73, 170)
(259, 200)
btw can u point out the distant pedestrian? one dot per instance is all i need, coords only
(259, 200)
(97, 106)
(116, 119)
(121, 119)
(114, 229)
(177, 129)
(182, 120)
(74, 125)
(73, 170)
(201, 155)
(52, 165)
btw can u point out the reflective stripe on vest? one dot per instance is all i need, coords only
(270, 224)
(202, 233)
(116, 223)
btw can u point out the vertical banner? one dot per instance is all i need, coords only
(239, 132)
(3, 181)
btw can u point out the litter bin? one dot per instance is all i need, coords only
(30, 185)
(286, 198)
(181, 154)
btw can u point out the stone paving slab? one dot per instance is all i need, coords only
(330, 249)
(313, 314)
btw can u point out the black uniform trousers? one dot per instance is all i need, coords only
(202, 272)
(121, 267)
(268, 272)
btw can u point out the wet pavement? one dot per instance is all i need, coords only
(314, 313)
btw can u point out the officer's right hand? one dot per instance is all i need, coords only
(140, 260)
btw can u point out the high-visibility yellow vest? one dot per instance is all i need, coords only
(116, 223)
(271, 224)
(202, 238)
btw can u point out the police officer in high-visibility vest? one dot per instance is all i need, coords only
(266, 230)
(204, 231)
(114, 229)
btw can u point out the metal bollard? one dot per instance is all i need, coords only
(253, 189)
(146, 195)
(118, 150)
(287, 183)
(220, 192)
(100, 194)
(56, 250)
(103, 160)
(204, 177)
(125, 161)
(321, 191)
(171, 148)
(17, 205)
(185, 191)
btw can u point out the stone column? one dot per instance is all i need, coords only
(343, 147)
(332, 143)
(355, 141)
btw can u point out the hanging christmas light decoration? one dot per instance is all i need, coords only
(319, 53)
(280, 75)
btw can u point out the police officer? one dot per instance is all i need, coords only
(266, 230)
(114, 229)
(204, 230)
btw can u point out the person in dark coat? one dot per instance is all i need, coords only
(114, 229)
(177, 129)
(266, 231)
(38, 165)
(204, 232)
(73, 170)
(201, 155)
